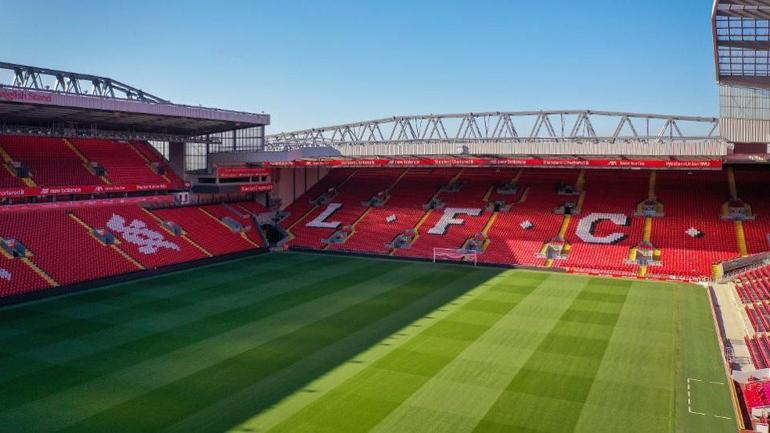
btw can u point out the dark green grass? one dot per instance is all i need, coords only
(296, 342)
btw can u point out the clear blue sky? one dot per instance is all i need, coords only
(312, 63)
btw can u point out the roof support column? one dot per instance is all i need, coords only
(176, 156)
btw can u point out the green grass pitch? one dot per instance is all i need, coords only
(312, 343)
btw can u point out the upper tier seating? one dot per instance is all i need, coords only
(7, 178)
(151, 155)
(122, 162)
(50, 160)
(206, 230)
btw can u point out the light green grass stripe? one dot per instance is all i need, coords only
(632, 391)
(153, 373)
(502, 351)
(320, 387)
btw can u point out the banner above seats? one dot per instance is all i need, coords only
(236, 172)
(684, 164)
(259, 187)
(83, 189)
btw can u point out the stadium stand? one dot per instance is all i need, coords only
(65, 250)
(515, 241)
(142, 235)
(380, 226)
(242, 216)
(206, 230)
(152, 157)
(608, 193)
(689, 237)
(692, 235)
(757, 394)
(300, 207)
(122, 163)
(364, 184)
(52, 161)
(475, 185)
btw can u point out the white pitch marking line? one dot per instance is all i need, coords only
(689, 401)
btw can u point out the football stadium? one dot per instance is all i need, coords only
(182, 268)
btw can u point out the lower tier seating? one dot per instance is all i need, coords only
(62, 247)
(206, 230)
(142, 236)
(757, 394)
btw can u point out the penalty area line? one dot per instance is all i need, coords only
(689, 397)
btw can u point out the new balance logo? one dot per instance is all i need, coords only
(5, 274)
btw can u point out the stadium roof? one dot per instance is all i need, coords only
(40, 97)
(741, 30)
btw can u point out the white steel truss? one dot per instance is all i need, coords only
(565, 126)
(35, 78)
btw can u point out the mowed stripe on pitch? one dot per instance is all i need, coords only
(380, 394)
(125, 345)
(63, 389)
(222, 378)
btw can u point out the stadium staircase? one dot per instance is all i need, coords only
(8, 178)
